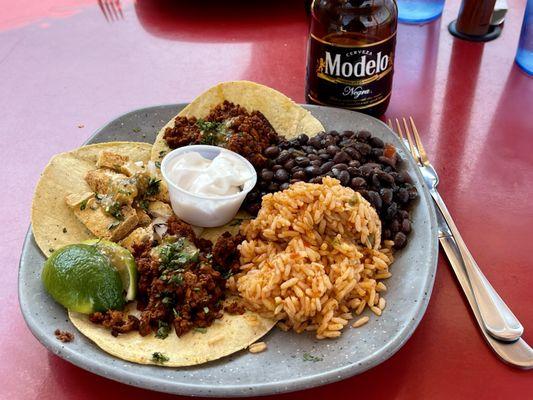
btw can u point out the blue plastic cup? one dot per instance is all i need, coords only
(524, 54)
(419, 11)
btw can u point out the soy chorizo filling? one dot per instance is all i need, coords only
(180, 286)
(229, 126)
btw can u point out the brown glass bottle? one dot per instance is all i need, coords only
(350, 54)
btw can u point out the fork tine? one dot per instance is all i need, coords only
(412, 147)
(421, 151)
(119, 8)
(100, 3)
(399, 129)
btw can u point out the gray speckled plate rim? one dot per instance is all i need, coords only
(288, 385)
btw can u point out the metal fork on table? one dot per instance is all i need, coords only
(111, 9)
(492, 314)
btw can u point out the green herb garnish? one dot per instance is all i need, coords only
(159, 358)
(312, 358)
(83, 204)
(206, 310)
(136, 130)
(201, 330)
(115, 210)
(176, 255)
(143, 204)
(158, 164)
(236, 222)
(163, 330)
(153, 187)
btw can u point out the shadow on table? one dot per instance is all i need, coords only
(211, 20)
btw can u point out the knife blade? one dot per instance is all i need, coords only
(517, 353)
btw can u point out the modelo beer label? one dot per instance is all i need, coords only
(354, 77)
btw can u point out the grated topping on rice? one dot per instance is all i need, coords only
(312, 258)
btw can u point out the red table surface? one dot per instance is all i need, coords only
(65, 70)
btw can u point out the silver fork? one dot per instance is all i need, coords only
(111, 9)
(497, 318)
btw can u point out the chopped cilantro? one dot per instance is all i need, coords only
(153, 187)
(136, 130)
(312, 358)
(159, 358)
(83, 204)
(163, 330)
(143, 204)
(176, 255)
(51, 250)
(176, 313)
(201, 330)
(206, 310)
(114, 209)
(177, 279)
(158, 164)
(166, 300)
(196, 289)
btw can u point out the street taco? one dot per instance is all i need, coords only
(277, 114)
(111, 192)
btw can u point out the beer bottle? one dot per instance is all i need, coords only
(350, 55)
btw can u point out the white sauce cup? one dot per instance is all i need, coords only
(201, 210)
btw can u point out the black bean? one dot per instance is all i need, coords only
(267, 175)
(386, 234)
(324, 156)
(363, 135)
(284, 186)
(366, 169)
(375, 200)
(375, 180)
(340, 166)
(403, 214)
(400, 240)
(341, 157)
(312, 170)
(284, 144)
(413, 193)
(302, 161)
(316, 179)
(276, 167)
(363, 148)
(388, 161)
(313, 157)
(334, 133)
(406, 226)
(273, 187)
(354, 163)
(386, 195)
(395, 226)
(348, 134)
(299, 175)
(332, 149)
(326, 167)
(344, 177)
(316, 163)
(392, 209)
(376, 142)
(385, 177)
(309, 149)
(357, 183)
(364, 193)
(263, 184)
(354, 154)
(402, 195)
(315, 142)
(272, 152)
(289, 164)
(281, 175)
(376, 153)
(303, 138)
(283, 157)
(353, 171)
(406, 177)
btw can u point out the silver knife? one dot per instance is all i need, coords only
(517, 353)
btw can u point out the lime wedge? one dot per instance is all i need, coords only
(122, 260)
(81, 278)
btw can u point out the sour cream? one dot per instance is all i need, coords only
(207, 184)
(223, 176)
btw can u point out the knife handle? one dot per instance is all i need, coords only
(497, 318)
